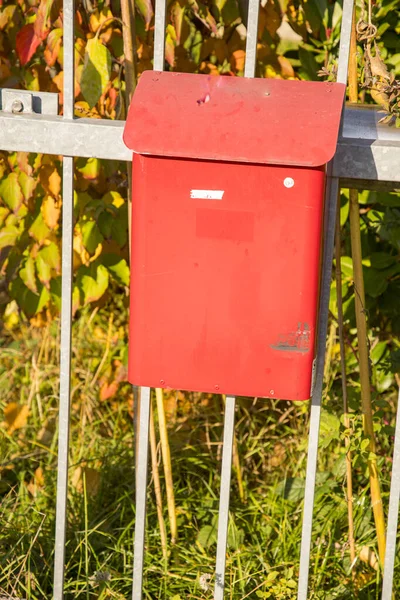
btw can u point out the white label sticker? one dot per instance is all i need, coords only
(207, 194)
(288, 182)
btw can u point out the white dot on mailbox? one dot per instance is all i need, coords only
(288, 182)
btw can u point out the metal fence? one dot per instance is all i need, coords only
(367, 157)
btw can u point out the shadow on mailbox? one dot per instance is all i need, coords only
(227, 201)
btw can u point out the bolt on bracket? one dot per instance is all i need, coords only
(27, 102)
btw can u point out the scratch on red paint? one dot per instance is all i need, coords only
(295, 341)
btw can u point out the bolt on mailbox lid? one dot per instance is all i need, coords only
(227, 207)
(265, 121)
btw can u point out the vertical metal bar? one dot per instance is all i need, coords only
(65, 376)
(66, 311)
(329, 238)
(141, 492)
(330, 215)
(159, 36)
(223, 515)
(251, 41)
(68, 57)
(142, 395)
(345, 35)
(394, 498)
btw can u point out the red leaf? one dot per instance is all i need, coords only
(43, 13)
(27, 43)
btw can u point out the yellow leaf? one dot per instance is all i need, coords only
(37, 482)
(368, 556)
(92, 477)
(51, 211)
(380, 96)
(50, 180)
(15, 416)
(79, 248)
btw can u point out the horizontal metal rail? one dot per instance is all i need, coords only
(368, 151)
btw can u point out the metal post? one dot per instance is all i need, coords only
(141, 492)
(223, 514)
(329, 239)
(159, 36)
(330, 214)
(394, 498)
(251, 41)
(66, 311)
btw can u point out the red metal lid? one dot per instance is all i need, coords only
(266, 121)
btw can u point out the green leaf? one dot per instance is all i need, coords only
(146, 10)
(92, 281)
(4, 212)
(381, 260)
(39, 230)
(235, 537)
(291, 488)
(388, 199)
(309, 64)
(364, 444)
(118, 268)
(55, 291)
(27, 184)
(96, 71)
(346, 263)
(91, 236)
(105, 221)
(344, 210)
(27, 274)
(207, 536)
(51, 255)
(29, 302)
(8, 236)
(90, 169)
(329, 428)
(47, 261)
(374, 281)
(10, 192)
(119, 227)
(378, 352)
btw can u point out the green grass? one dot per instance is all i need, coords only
(265, 528)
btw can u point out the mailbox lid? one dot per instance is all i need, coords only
(265, 121)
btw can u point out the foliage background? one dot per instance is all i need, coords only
(297, 39)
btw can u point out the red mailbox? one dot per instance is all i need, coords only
(228, 193)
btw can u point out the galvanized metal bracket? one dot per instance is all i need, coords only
(28, 102)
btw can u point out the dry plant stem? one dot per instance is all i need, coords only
(129, 41)
(166, 456)
(349, 474)
(359, 296)
(329, 350)
(157, 486)
(362, 334)
(238, 468)
(353, 73)
(236, 460)
(108, 343)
